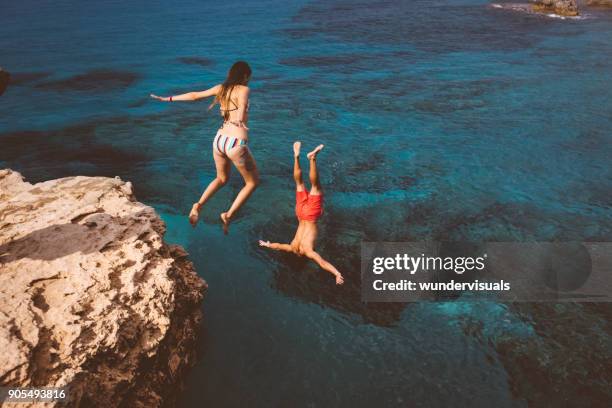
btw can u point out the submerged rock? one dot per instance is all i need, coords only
(4, 80)
(557, 366)
(91, 297)
(559, 7)
(98, 80)
(203, 62)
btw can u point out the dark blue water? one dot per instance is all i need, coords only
(445, 120)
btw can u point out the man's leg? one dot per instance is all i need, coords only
(297, 170)
(314, 174)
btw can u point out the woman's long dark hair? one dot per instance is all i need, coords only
(239, 74)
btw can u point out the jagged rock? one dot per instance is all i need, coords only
(560, 7)
(600, 3)
(4, 80)
(91, 297)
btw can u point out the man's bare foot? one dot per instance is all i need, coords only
(316, 150)
(296, 148)
(264, 243)
(339, 279)
(225, 219)
(194, 214)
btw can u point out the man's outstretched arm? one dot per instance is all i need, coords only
(325, 266)
(276, 246)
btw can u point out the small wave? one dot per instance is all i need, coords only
(552, 15)
(512, 6)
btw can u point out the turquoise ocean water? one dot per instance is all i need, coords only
(443, 120)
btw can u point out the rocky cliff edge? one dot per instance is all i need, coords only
(90, 296)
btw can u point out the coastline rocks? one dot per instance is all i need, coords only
(559, 7)
(4, 80)
(600, 3)
(91, 297)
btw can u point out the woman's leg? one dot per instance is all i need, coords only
(223, 166)
(245, 163)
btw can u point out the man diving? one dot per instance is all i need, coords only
(308, 209)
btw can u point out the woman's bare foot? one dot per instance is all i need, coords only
(194, 215)
(225, 219)
(316, 150)
(296, 148)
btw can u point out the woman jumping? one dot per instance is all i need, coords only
(231, 142)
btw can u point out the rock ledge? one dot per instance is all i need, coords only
(559, 7)
(90, 295)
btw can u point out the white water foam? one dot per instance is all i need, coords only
(524, 7)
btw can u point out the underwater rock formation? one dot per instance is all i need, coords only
(4, 80)
(91, 297)
(98, 80)
(557, 366)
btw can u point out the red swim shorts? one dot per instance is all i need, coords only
(308, 207)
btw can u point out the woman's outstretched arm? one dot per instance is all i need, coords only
(189, 96)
